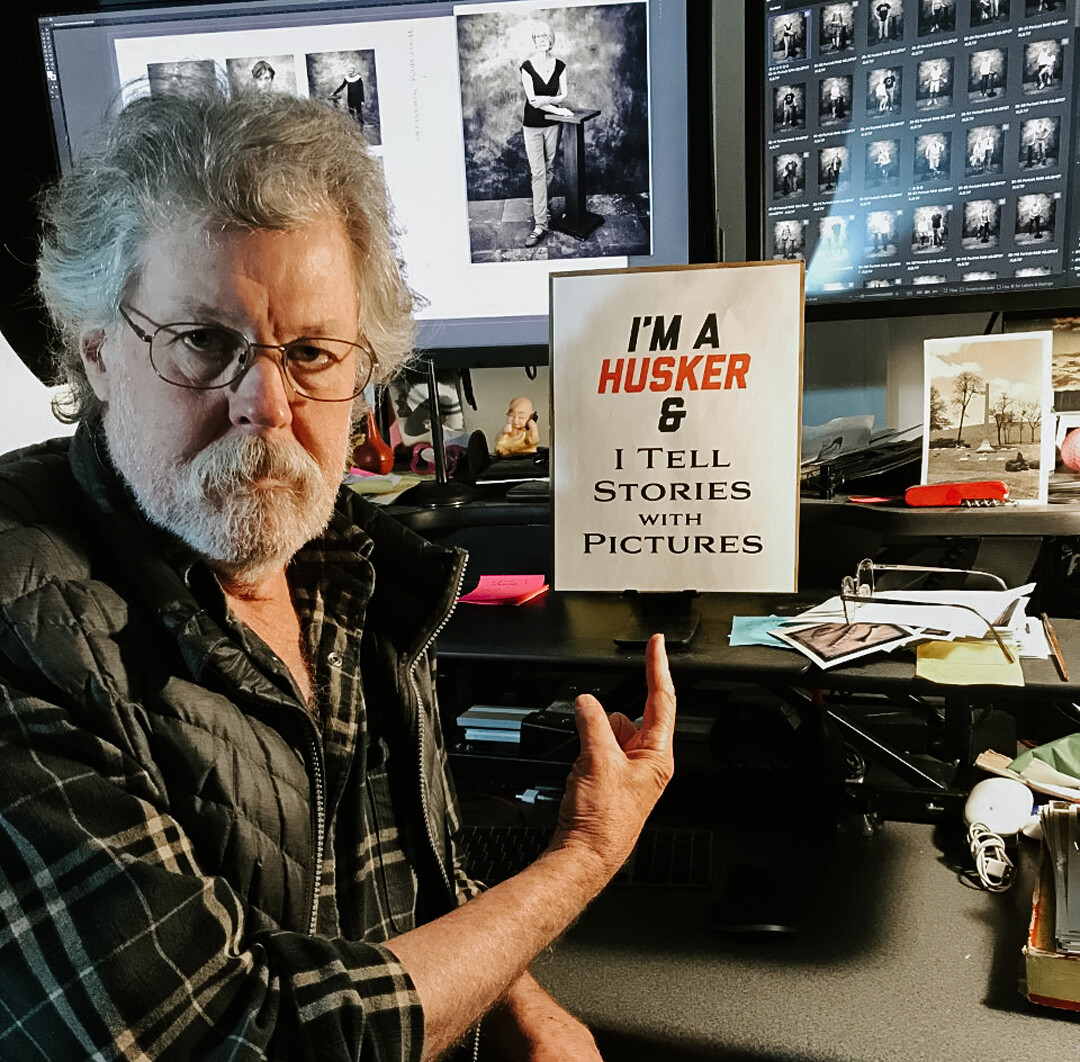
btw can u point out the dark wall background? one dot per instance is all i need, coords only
(605, 55)
(29, 163)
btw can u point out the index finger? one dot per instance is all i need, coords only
(658, 721)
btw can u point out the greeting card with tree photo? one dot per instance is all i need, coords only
(988, 411)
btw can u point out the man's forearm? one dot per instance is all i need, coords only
(527, 1024)
(463, 963)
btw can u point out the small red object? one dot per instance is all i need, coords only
(373, 455)
(982, 492)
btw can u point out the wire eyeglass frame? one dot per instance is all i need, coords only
(860, 588)
(247, 352)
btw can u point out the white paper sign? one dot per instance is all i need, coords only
(676, 397)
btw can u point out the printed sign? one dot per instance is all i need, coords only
(675, 427)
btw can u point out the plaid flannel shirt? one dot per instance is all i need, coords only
(156, 793)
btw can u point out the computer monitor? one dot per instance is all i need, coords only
(437, 90)
(922, 156)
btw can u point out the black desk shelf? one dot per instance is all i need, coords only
(484, 651)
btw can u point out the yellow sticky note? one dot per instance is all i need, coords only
(968, 663)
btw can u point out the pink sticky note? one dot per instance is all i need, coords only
(505, 589)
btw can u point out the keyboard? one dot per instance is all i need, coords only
(679, 856)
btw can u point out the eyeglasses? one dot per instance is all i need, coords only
(860, 589)
(204, 357)
(862, 583)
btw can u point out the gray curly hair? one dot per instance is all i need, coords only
(198, 159)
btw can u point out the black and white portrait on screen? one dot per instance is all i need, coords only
(348, 80)
(261, 73)
(1040, 142)
(789, 107)
(930, 229)
(604, 48)
(834, 100)
(934, 83)
(885, 22)
(191, 75)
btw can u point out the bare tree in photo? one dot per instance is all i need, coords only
(1002, 413)
(1031, 415)
(965, 387)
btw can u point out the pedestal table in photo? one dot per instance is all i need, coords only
(576, 220)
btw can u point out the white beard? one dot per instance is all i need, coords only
(215, 503)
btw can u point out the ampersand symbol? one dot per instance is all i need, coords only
(671, 414)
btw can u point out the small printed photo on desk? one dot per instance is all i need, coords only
(827, 644)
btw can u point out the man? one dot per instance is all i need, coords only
(884, 161)
(352, 90)
(934, 152)
(787, 34)
(986, 73)
(1045, 65)
(226, 827)
(889, 81)
(935, 82)
(836, 98)
(262, 76)
(1041, 140)
(937, 220)
(789, 112)
(837, 31)
(791, 176)
(883, 13)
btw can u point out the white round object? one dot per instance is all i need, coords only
(1002, 805)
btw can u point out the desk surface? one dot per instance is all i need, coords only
(1029, 518)
(578, 629)
(491, 506)
(900, 961)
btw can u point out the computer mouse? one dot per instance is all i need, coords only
(1003, 805)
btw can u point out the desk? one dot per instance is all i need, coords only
(897, 959)
(577, 629)
(1008, 541)
(573, 632)
(1028, 519)
(899, 962)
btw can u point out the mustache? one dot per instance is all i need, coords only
(228, 466)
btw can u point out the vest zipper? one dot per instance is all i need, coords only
(319, 815)
(414, 682)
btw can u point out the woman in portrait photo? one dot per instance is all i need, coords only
(262, 76)
(543, 77)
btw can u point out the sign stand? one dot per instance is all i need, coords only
(672, 614)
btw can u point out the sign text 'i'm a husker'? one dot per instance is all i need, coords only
(668, 372)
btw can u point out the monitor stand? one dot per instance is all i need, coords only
(672, 614)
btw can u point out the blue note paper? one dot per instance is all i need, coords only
(754, 630)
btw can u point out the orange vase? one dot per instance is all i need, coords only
(373, 454)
